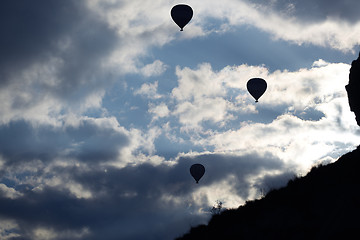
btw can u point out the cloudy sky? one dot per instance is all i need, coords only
(105, 105)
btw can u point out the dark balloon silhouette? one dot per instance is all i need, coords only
(256, 87)
(197, 170)
(353, 89)
(181, 14)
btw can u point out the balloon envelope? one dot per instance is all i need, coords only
(181, 14)
(256, 87)
(197, 171)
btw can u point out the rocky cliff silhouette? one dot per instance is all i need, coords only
(353, 89)
(325, 204)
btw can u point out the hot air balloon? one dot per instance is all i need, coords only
(256, 87)
(197, 170)
(181, 14)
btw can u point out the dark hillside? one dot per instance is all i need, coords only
(324, 204)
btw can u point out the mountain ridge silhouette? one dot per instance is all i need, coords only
(324, 204)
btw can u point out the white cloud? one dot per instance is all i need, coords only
(61, 74)
(148, 90)
(191, 114)
(22, 100)
(8, 229)
(153, 69)
(310, 107)
(140, 27)
(298, 143)
(159, 111)
(315, 10)
(198, 83)
(57, 85)
(9, 192)
(200, 96)
(43, 233)
(331, 32)
(64, 183)
(281, 21)
(223, 191)
(300, 90)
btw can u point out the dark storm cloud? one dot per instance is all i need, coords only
(308, 10)
(219, 167)
(36, 32)
(31, 31)
(153, 181)
(110, 218)
(129, 203)
(20, 142)
(126, 205)
(96, 143)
